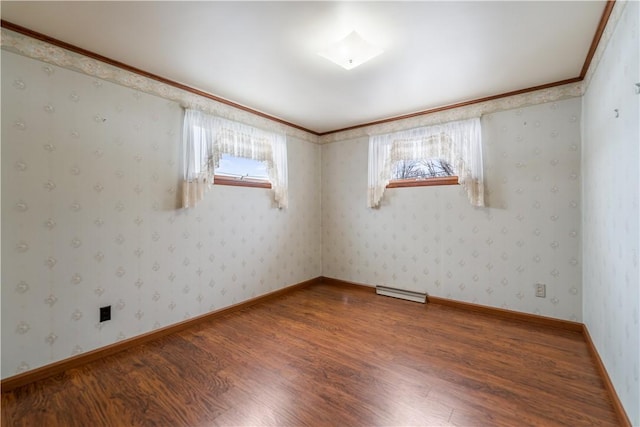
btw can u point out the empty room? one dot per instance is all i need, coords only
(320, 213)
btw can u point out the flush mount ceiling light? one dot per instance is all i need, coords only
(350, 51)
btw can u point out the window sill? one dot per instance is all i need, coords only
(237, 182)
(411, 182)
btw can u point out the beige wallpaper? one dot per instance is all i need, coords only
(431, 239)
(89, 218)
(89, 177)
(611, 188)
(54, 55)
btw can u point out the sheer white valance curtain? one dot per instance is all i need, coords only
(458, 143)
(206, 138)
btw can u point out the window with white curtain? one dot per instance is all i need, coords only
(207, 139)
(434, 152)
(241, 169)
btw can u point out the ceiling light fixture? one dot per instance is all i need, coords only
(350, 51)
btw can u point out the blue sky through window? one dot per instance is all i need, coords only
(240, 166)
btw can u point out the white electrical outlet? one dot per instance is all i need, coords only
(541, 290)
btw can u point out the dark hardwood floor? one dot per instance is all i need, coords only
(332, 356)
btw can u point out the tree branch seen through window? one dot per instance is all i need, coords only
(422, 169)
(425, 172)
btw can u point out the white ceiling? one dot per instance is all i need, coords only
(264, 54)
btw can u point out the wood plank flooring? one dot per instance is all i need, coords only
(332, 356)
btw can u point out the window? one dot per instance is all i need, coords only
(220, 151)
(241, 171)
(436, 155)
(417, 173)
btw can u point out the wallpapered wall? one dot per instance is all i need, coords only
(431, 239)
(90, 171)
(611, 188)
(89, 218)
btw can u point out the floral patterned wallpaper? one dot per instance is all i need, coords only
(552, 94)
(431, 239)
(54, 55)
(90, 172)
(611, 188)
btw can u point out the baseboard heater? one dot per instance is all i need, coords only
(401, 293)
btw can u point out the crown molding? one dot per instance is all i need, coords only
(610, 18)
(31, 44)
(38, 46)
(550, 93)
